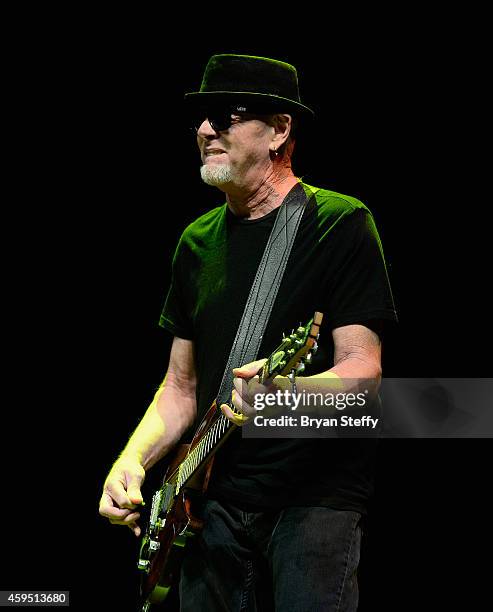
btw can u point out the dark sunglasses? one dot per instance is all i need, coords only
(222, 119)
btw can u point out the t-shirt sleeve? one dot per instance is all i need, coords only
(359, 290)
(175, 316)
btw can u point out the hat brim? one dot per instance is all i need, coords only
(254, 102)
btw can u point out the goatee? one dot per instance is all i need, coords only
(216, 174)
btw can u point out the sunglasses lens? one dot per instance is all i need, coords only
(219, 120)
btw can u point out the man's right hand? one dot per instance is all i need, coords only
(121, 493)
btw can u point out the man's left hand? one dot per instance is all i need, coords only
(246, 386)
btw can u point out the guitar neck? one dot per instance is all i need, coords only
(215, 427)
(213, 437)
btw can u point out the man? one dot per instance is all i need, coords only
(282, 519)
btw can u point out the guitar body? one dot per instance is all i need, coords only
(163, 546)
(187, 476)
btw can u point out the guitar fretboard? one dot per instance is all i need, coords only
(208, 442)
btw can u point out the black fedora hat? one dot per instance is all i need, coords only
(251, 84)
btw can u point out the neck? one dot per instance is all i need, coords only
(257, 200)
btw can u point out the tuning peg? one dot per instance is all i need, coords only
(308, 358)
(300, 368)
(315, 348)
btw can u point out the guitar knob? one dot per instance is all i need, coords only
(143, 566)
(154, 545)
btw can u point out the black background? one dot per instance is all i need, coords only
(107, 180)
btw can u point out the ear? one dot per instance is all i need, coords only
(282, 128)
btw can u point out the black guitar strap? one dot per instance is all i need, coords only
(265, 287)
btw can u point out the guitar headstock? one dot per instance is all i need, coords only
(295, 350)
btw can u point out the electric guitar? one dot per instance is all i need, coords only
(171, 519)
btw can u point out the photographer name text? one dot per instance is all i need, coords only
(305, 421)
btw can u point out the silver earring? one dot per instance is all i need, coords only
(276, 153)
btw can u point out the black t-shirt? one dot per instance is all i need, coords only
(336, 266)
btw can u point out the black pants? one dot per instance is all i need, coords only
(297, 559)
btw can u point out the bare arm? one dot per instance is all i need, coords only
(357, 353)
(170, 414)
(357, 362)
